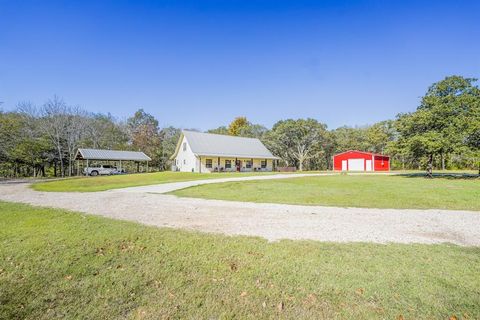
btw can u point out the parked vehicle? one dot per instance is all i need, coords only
(104, 169)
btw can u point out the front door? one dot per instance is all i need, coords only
(368, 164)
(344, 165)
(238, 165)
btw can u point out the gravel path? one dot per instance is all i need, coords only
(271, 221)
(169, 187)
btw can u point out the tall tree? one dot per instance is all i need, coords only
(145, 135)
(105, 132)
(54, 119)
(237, 125)
(296, 141)
(170, 136)
(443, 123)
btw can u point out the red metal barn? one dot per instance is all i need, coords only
(354, 160)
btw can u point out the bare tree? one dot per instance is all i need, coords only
(54, 124)
(75, 132)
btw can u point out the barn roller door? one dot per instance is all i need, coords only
(356, 165)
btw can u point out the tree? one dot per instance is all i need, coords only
(348, 138)
(444, 123)
(170, 136)
(219, 130)
(145, 135)
(297, 141)
(379, 135)
(237, 125)
(54, 114)
(104, 132)
(252, 131)
(241, 127)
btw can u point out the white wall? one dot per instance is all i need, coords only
(256, 164)
(185, 161)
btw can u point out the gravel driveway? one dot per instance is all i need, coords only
(271, 221)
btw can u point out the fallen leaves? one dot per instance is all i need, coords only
(233, 266)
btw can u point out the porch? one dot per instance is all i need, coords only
(230, 164)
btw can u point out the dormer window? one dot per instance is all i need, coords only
(184, 146)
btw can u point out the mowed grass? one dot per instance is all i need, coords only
(58, 264)
(367, 191)
(102, 183)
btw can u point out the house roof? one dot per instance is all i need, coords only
(364, 152)
(99, 154)
(218, 145)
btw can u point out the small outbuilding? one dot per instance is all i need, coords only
(110, 155)
(354, 160)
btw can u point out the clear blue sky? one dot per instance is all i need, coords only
(198, 64)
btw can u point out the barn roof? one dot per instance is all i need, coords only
(218, 145)
(100, 154)
(364, 152)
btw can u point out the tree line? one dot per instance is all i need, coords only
(443, 133)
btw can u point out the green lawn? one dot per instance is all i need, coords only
(369, 191)
(87, 184)
(57, 264)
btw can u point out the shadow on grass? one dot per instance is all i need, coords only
(449, 175)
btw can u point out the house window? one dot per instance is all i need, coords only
(263, 164)
(248, 164)
(228, 164)
(208, 163)
(184, 146)
(184, 161)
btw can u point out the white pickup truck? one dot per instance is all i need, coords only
(103, 169)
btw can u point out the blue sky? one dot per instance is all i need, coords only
(198, 64)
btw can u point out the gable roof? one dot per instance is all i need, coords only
(364, 152)
(219, 145)
(100, 154)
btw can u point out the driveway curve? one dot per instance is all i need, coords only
(270, 221)
(172, 186)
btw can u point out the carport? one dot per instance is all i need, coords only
(109, 155)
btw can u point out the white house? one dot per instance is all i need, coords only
(207, 152)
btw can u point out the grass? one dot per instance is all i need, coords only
(369, 191)
(58, 264)
(89, 184)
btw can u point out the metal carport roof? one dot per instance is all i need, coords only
(99, 154)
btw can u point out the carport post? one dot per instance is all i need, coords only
(120, 165)
(87, 167)
(147, 166)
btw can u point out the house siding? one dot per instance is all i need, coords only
(185, 161)
(221, 167)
